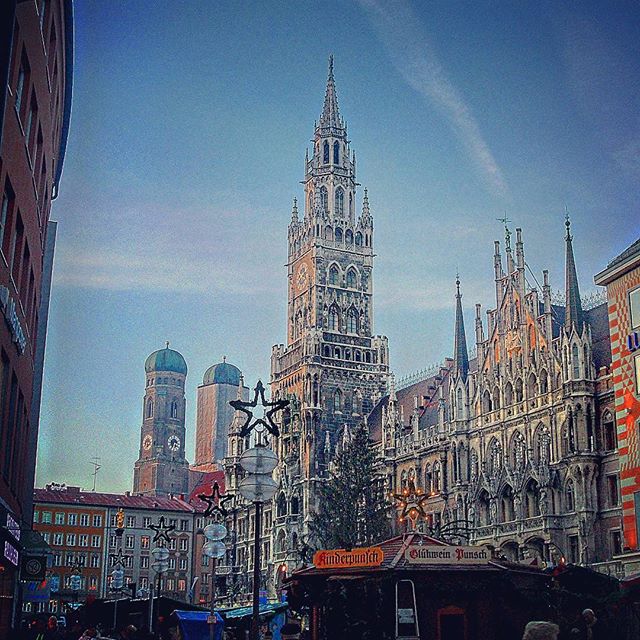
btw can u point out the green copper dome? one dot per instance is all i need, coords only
(166, 360)
(222, 373)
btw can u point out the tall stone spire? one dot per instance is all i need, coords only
(460, 355)
(573, 306)
(330, 115)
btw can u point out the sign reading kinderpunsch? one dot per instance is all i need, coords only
(433, 554)
(341, 558)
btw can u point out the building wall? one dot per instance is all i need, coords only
(626, 370)
(213, 417)
(66, 529)
(34, 120)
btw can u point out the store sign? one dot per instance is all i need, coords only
(13, 527)
(8, 306)
(11, 553)
(34, 567)
(432, 554)
(37, 591)
(343, 559)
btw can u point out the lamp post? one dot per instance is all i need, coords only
(258, 486)
(215, 549)
(160, 555)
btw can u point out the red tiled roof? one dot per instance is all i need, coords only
(204, 486)
(73, 495)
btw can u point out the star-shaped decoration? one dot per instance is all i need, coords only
(215, 501)
(411, 501)
(162, 530)
(118, 558)
(267, 422)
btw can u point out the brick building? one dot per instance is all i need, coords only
(75, 521)
(36, 60)
(622, 279)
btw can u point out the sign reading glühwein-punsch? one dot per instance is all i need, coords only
(455, 555)
(341, 558)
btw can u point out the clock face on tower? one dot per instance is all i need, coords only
(173, 443)
(146, 443)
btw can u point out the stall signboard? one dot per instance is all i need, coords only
(454, 555)
(343, 559)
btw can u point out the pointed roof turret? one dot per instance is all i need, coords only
(573, 305)
(330, 114)
(460, 355)
(365, 204)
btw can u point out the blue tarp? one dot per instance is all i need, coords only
(193, 625)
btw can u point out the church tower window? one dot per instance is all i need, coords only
(338, 234)
(336, 152)
(358, 239)
(575, 361)
(352, 321)
(174, 409)
(325, 155)
(569, 497)
(333, 275)
(337, 400)
(324, 199)
(334, 319)
(352, 278)
(348, 237)
(149, 412)
(339, 211)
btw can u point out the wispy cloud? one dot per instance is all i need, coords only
(188, 251)
(406, 43)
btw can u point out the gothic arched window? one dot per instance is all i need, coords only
(435, 477)
(486, 401)
(569, 497)
(149, 412)
(348, 237)
(337, 400)
(508, 394)
(352, 321)
(174, 409)
(295, 505)
(334, 319)
(518, 390)
(575, 362)
(338, 234)
(333, 274)
(281, 507)
(358, 239)
(352, 278)
(459, 407)
(324, 198)
(336, 152)
(350, 203)
(325, 154)
(544, 382)
(339, 210)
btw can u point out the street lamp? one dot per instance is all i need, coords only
(257, 487)
(160, 564)
(215, 549)
(259, 462)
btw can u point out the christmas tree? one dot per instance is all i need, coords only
(352, 510)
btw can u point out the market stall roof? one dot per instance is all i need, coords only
(394, 559)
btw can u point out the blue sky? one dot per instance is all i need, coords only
(187, 143)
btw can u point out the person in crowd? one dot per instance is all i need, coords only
(53, 632)
(540, 630)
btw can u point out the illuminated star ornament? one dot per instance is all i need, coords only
(162, 530)
(267, 422)
(215, 501)
(411, 501)
(118, 558)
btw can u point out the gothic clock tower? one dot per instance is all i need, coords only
(332, 368)
(161, 468)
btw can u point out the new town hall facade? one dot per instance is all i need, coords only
(516, 445)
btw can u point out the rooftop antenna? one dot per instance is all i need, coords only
(96, 467)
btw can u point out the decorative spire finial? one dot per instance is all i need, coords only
(166, 344)
(567, 223)
(331, 66)
(294, 210)
(224, 358)
(330, 115)
(460, 353)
